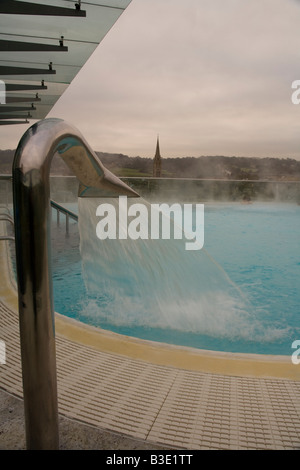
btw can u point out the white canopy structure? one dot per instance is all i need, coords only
(43, 46)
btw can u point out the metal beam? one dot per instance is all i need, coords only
(14, 7)
(6, 123)
(8, 109)
(21, 99)
(13, 46)
(15, 116)
(9, 70)
(24, 87)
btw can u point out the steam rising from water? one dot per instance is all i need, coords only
(158, 284)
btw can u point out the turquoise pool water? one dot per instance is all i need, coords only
(257, 245)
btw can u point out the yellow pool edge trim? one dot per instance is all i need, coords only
(215, 362)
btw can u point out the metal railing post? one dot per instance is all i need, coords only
(67, 224)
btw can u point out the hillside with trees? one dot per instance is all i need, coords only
(204, 167)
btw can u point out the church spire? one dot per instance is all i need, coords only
(157, 161)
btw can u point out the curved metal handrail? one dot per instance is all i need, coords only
(63, 209)
(31, 195)
(7, 218)
(68, 214)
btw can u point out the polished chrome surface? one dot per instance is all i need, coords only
(32, 217)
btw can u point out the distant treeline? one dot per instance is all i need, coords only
(215, 167)
(207, 167)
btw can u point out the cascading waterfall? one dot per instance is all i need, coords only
(158, 283)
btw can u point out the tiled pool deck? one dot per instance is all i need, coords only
(166, 395)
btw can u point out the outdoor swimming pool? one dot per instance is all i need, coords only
(258, 247)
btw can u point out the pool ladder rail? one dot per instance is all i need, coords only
(68, 214)
(59, 209)
(7, 218)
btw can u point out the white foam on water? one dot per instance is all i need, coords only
(159, 284)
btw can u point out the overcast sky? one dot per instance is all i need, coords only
(211, 77)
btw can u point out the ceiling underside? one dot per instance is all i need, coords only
(43, 46)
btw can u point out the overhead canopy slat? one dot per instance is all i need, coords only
(45, 43)
(7, 109)
(17, 46)
(10, 70)
(24, 87)
(16, 7)
(15, 116)
(22, 99)
(6, 123)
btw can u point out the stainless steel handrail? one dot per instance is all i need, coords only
(63, 209)
(7, 218)
(32, 217)
(68, 214)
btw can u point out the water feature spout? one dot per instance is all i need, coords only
(32, 217)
